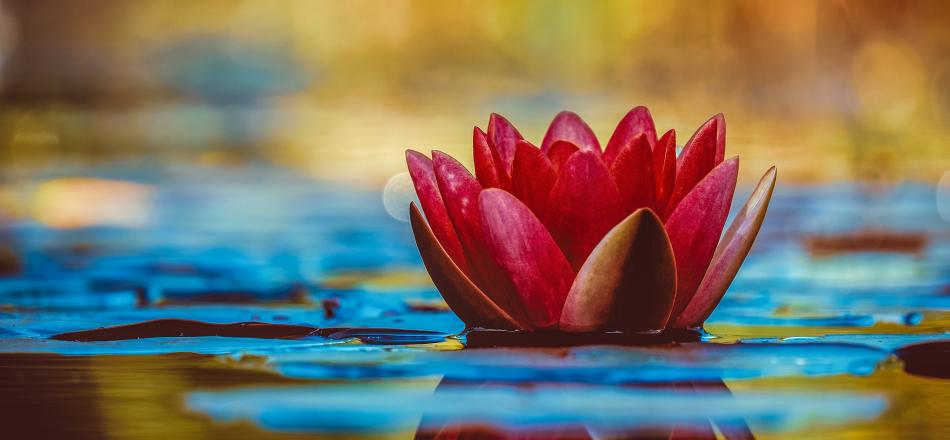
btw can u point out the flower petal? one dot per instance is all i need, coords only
(485, 170)
(568, 126)
(720, 137)
(636, 122)
(423, 178)
(730, 254)
(533, 177)
(529, 256)
(584, 205)
(460, 192)
(632, 171)
(695, 226)
(559, 152)
(696, 160)
(463, 297)
(503, 136)
(628, 282)
(664, 165)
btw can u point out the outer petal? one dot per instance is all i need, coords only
(583, 206)
(568, 126)
(664, 165)
(628, 282)
(462, 296)
(423, 178)
(696, 160)
(730, 254)
(632, 171)
(460, 193)
(694, 228)
(533, 177)
(636, 122)
(559, 152)
(530, 257)
(720, 137)
(503, 136)
(485, 170)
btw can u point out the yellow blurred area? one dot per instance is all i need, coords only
(85, 202)
(827, 90)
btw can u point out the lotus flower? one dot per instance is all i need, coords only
(574, 238)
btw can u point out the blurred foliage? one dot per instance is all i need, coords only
(827, 90)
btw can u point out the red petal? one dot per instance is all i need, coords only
(485, 170)
(559, 152)
(627, 283)
(460, 192)
(503, 136)
(568, 126)
(730, 254)
(463, 297)
(664, 165)
(695, 226)
(584, 205)
(533, 178)
(696, 160)
(720, 137)
(632, 171)
(423, 178)
(529, 256)
(637, 121)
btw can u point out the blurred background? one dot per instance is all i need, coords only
(223, 160)
(827, 90)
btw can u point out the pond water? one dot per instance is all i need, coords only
(836, 327)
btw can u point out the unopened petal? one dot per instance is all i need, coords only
(627, 283)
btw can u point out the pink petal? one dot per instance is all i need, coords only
(463, 297)
(503, 136)
(568, 126)
(485, 170)
(534, 175)
(632, 171)
(460, 192)
(627, 283)
(529, 256)
(664, 165)
(730, 254)
(720, 137)
(637, 121)
(559, 152)
(695, 226)
(696, 160)
(584, 205)
(423, 178)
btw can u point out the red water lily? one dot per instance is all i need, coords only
(571, 237)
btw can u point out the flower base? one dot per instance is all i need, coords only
(483, 338)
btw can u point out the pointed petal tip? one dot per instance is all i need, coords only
(569, 126)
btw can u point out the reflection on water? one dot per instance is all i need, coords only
(849, 343)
